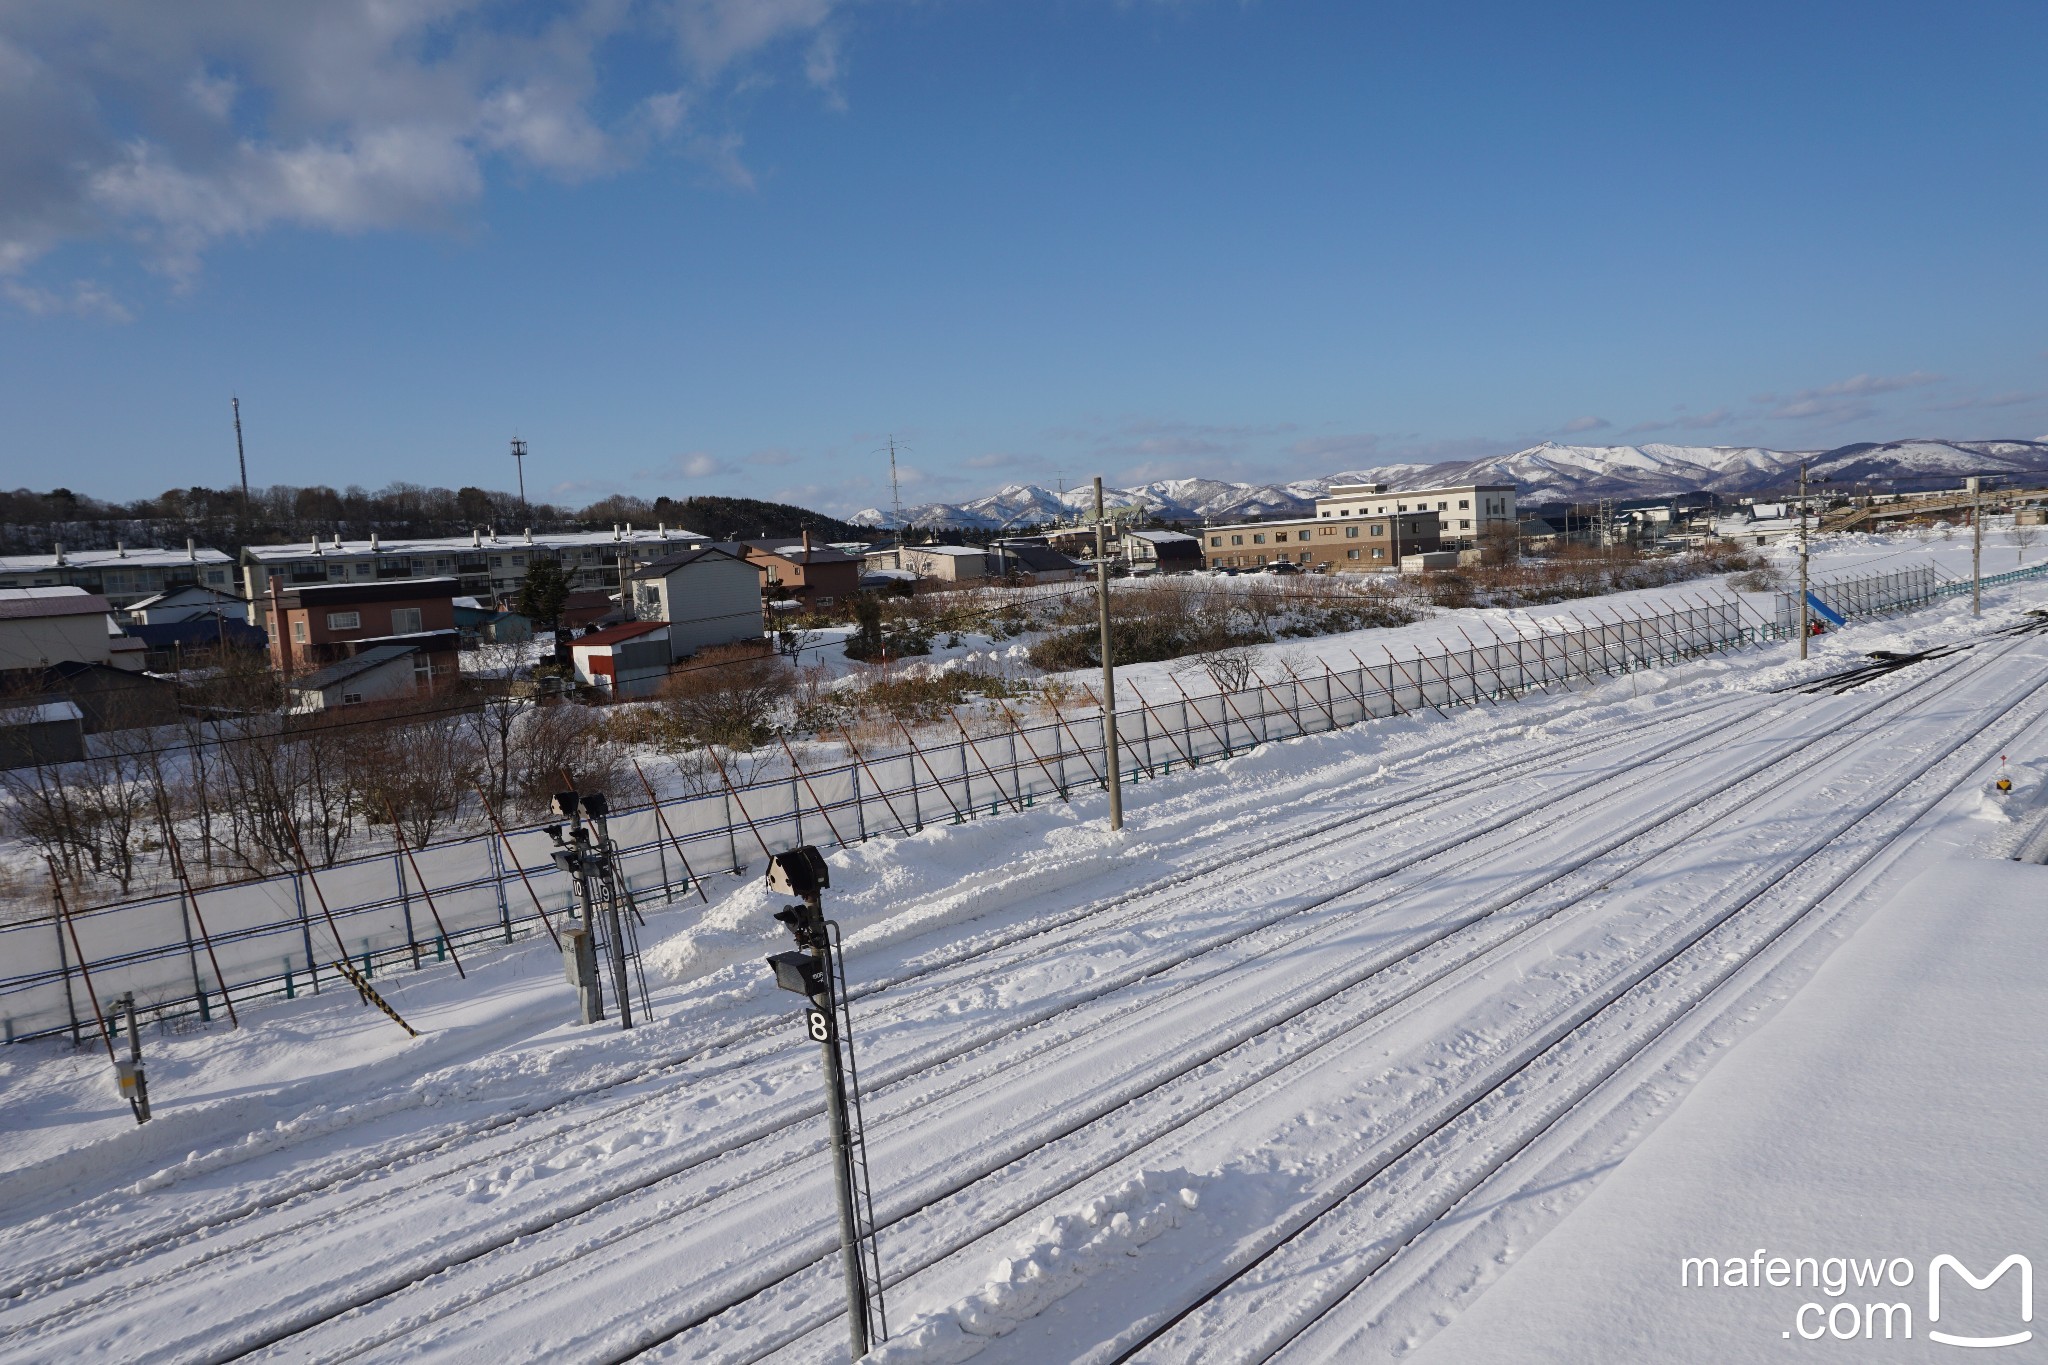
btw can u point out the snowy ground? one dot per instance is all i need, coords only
(1436, 1036)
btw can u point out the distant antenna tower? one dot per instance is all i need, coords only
(895, 487)
(519, 458)
(241, 458)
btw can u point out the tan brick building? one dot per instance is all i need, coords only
(1362, 545)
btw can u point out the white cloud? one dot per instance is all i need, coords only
(1579, 424)
(182, 125)
(702, 466)
(86, 299)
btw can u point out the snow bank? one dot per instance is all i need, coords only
(1064, 1252)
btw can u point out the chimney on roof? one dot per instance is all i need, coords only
(664, 530)
(373, 542)
(494, 534)
(476, 538)
(59, 547)
(529, 535)
(615, 530)
(807, 541)
(191, 549)
(121, 549)
(337, 540)
(629, 530)
(316, 545)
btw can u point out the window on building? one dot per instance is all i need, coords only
(518, 561)
(1378, 553)
(1261, 559)
(1400, 507)
(1380, 529)
(365, 570)
(1326, 530)
(1215, 540)
(1351, 532)
(1443, 507)
(1303, 556)
(1351, 554)
(824, 601)
(1237, 540)
(1279, 537)
(1464, 525)
(1259, 538)
(351, 698)
(497, 561)
(1464, 503)
(406, 621)
(299, 631)
(1346, 512)
(344, 620)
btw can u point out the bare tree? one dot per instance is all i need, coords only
(727, 696)
(2024, 533)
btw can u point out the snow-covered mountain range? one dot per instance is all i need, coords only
(1546, 473)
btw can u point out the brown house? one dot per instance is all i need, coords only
(817, 576)
(1366, 545)
(323, 624)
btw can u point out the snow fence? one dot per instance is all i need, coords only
(279, 935)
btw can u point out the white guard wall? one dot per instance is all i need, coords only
(710, 602)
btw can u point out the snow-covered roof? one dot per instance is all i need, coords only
(485, 541)
(20, 604)
(1164, 537)
(943, 550)
(133, 556)
(40, 713)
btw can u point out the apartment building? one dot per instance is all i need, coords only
(123, 575)
(488, 566)
(1464, 513)
(1367, 544)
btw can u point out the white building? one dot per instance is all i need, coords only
(708, 597)
(192, 603)
(122, 575)
(1162, 551)
(1464, 513)
(632, 657)
(944, 563)
(53, 625)
(487, 564)
(380, 673)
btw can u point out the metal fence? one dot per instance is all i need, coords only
(279, 934)
(1877, 594)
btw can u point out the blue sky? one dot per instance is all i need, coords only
(713, 246)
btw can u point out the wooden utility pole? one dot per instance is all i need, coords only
(519, 459)
(1116, 793)
(1976, 547)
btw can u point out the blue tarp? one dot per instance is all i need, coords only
(1825, 612)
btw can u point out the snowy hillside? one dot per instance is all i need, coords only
(1545, 473)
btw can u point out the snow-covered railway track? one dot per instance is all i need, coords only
(602, 1243)
(1270, 1300)
(87, 1299)
(756, 1338)
(1406, 805)
(584, 1239)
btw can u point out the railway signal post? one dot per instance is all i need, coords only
(815, 971)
